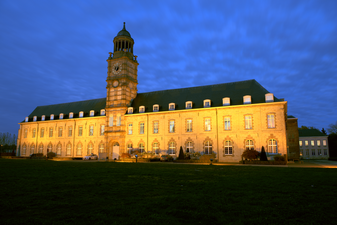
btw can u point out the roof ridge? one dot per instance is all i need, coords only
(72, 102)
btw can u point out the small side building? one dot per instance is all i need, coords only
(313, 144)
(293, 139)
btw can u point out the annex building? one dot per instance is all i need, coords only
(224, 119)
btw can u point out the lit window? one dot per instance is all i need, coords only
(207, 103)
(42, 132)
(172, 148)
(312, 143)
(228, 148)
(271, 120)
(142, 109)
(208, 148)
(269, 97)
(129, 148)
(58, 149)
(324, 142)
(32, 148)
(155, 127)
(70, 131)
(51, 116)
(130, 128)
(68, 149)
(306, 143)
(172, 127)
(318, 142)
(60, 132)
(301, 143)
(189, 125)
(249, 145)
(207, 124)
(155, 108)
(61, 116)
(34, 132)
(111, 120)
(91, 130)
(155, 148)
(272, 146)
(90, 148)
(40, 150)
(71, 115)
(247, 99)
(248, 122)
(226, 101)
(172, 106)
(34, 118)
(141, 147)
(189, 146)
(51, 132)
(92, 112)
(26, 119)
(141, 128)
(102, 112)
(101, 148)
(189, 105)
(43, 118)
(130, 110)
(227, 123)
(79, 149)
(80, 130)
(102, 129)
(81, 114)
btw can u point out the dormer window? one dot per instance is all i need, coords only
(269, 97)
(92, 112)
(172, 106)
(81, 114)
(141, 109)
(61, 116)
(43, 117)
(226, 101)
(26, 119)
(247, 99)
(51, 116)
(102, 112)
(207, 103)
(155, 108)
(71, 115)
(34, 118)
(188, 105)
(130, 110)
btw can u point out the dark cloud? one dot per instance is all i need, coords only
(55, 52)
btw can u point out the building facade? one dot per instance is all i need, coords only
(222, 119)
(313, 144)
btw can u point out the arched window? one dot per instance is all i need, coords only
(58, 149)
(101, 148)
(24, 147)
(208, 147)
(50, 148)
(41, 148)
(228, 148)
(189, 146)
(68, 149)
(141, 147)
(172, 148)
(155, 148)
(32, 148)
(90, 148)
(272, 146)
(249, 145)
(129, 148)
(79, 149)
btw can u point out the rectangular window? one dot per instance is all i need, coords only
(227, 121)
(119, 120)
(25, 134)
(60, 131)
(325, 152)
(312, 143)
(172, 127)
(271, 120)
(248, 122)
(189, 125)
(155, 127)
(306, 143)
(313, 151)
(324, 142)
(51, 132)
(318, 142)
(42, 132)
(34, 132)
(319, 152)
(130, 128)
(102, 129)
(141, 128)
(111, 121)
(91, 130)
(80, 130)
(207, 124)
(307, 152)
(301, 143)
(70, 131)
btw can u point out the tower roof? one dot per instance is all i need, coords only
(124, 32)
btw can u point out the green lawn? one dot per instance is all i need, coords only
(70, 192)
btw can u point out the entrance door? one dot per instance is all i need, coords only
(115, 151)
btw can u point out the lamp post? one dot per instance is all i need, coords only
(211, 161)
(136, 157)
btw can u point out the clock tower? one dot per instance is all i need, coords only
(121, 90)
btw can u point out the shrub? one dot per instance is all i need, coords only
(250, 154)
(279, 158)
(181, 153)
(263, 156)
(125, 155)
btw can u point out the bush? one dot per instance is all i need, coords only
(125, 155)
(279, 158)
(250, 154)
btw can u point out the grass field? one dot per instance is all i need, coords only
(51, 192)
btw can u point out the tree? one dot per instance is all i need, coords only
(323, 131)
(263, 156)
(332, 128)
(250, 154)
(181, 153)
(307, 128)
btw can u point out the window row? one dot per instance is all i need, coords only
(62, 116)
(312, 143)
(60, 132)
(313, 152)
(247, 99)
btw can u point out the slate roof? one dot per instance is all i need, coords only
(310, 133)
(235, 91)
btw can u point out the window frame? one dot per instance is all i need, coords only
(187, 105)
(189, 125)
(207, 124)
(155, 108)
(172, 126)
(207, 103)
(61, 116)
(141, 127)
(228, 147)
(226, 101)
(247, 99)
(81, 114)
(92, 113)
(271, 123)
(272, 146)
(227, 123)
(130, 128)
(172, 106)
(209, 146)
(156, 127)
(248, 122)
(71, 115)
(142, 109)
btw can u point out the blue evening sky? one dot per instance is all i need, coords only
(55, 51)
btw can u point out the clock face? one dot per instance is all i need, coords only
(117, 68)
(115, 83)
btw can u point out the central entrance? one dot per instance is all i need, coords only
(115, 151)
